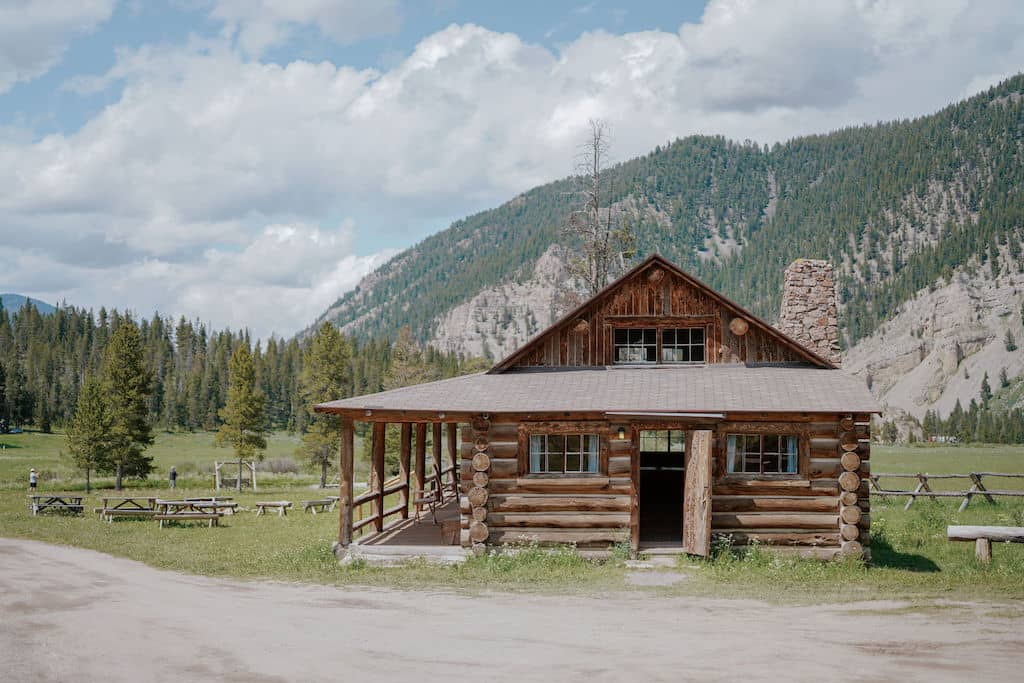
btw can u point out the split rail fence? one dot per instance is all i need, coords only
(924, 490)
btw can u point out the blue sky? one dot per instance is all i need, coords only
(247, 161)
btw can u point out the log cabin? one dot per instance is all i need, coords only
(657, 414)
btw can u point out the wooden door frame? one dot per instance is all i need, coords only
(685, 426)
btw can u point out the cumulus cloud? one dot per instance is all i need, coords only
(35, 33)
(209, 162)
(259, 24)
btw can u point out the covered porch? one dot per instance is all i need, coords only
(382, 521)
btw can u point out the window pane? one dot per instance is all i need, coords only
(771, 462)
(556, 443)
(670, 355)
(668, 337)
(678, 441)
(621, 336)
(572, 443)
(572, 462)
(556, 461)
(536, 446)
(636, 336)
(650, 337)
(651, 354)
(731, 457)
(771, 444)
(684, 354)
(697, 354)
(791, 454)
(593, 445)
(697, 335)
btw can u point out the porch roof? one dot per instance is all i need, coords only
(661, 389)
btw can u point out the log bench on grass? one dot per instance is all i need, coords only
(324, 504)
(282, 507)
(212, 517)
(983, 537)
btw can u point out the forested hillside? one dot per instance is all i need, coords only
(896, 206)
(45, 358)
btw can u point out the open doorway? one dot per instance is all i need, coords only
(662, 470)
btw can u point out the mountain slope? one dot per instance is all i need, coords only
(899, 207)
(13, 302)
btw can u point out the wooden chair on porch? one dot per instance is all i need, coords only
(432, 497)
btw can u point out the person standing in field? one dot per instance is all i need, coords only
(33, 479)
(174, 477)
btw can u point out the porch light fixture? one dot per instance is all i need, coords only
(622, 433)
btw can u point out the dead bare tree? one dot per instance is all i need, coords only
(602, 230)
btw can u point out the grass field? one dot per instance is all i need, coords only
(912, 558)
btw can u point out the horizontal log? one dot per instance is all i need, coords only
(581, 537)
(504, 468)
(821, 468)
(619, 464)
(554, 503)
(827, 428)
(503, 431)
(773, 504)
(783, 487)
(562, 485)
(563, 520)
(820, 443)
(620, 446)
(774, 520)
(783, 537)
(825, 554)
(1013, 534)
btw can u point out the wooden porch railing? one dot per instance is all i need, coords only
(360, 518)
(923, 489)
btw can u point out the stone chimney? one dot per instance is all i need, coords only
(809, 307)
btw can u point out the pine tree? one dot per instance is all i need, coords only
(326, 375)
(128, 383)
(1009, 341)
(986, 390)
(89, 432)
(244, 419)
(1004, 381)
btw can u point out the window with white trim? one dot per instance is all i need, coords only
(761, 454)
(636, 345)
(564, 453)
(682, 345)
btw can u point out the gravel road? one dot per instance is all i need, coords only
(68, 614)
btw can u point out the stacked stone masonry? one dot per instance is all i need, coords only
(808, 312)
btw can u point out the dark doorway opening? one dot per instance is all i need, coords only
(662, 458)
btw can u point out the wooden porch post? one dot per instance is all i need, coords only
(345, 482)
(436, 450)
(453, 455)
(377, 474)
(421, 460)
(405, 454)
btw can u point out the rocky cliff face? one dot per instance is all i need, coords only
(940, 345)
(500, 319)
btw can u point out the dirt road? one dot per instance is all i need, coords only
(69, 614)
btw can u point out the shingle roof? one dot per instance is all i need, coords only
(709, 388)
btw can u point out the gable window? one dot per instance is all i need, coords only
(636, 346)
(761, 454)
(684, 345)
(564, 453)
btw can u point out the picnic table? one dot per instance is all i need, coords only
(223, 504)
(282, 507)
(186, 510)
(126, 506)
(58, 502)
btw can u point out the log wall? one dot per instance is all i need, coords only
(825, 509)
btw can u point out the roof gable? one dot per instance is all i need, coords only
(658, 292)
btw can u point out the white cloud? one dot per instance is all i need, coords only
(259, 24)
(212, 176)
(35, 33)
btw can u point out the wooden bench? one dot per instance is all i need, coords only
(212, 517)
(324, 504)
(983, 537)
(282, 507)
(57, 502)
(110, 513)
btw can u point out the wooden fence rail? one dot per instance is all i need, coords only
(924, 490)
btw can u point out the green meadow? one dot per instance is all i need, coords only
(911, 557)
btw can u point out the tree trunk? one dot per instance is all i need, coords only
(323, 474)
(238, 484)
(87, 489)
(120, 473)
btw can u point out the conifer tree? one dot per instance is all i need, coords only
(89, 432)
(244, 417)
(128, 383)
(326, 375)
